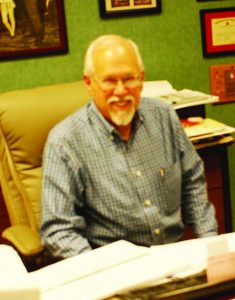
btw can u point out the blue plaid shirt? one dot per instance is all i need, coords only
(98, 188)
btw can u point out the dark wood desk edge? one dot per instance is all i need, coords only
(222, 141)
(205, 291)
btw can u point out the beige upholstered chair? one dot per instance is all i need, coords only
(26, 116)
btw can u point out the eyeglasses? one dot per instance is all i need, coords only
(108, 84)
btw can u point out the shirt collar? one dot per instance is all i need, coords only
(96, 118)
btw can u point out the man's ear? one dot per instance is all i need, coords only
(87, 81)
(142, 79)
(142, 75)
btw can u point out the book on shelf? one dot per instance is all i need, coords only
(163, 90)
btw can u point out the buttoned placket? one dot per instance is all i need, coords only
(149, 208)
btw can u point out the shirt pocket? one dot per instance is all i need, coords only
(173, 187)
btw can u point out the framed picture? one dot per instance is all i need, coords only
(119, 8)
(32, 28)
(218, 31)
(209, 0)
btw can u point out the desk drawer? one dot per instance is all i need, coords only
(213, 172)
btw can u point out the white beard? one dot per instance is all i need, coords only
(122, 118)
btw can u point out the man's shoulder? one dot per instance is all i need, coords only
(70, 125)
(154, 104)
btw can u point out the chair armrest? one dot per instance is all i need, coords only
(24, 239)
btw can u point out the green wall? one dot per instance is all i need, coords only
(170, 44)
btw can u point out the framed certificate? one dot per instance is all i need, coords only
(121, 8)
(218, 31)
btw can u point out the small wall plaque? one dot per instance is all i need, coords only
(222, 79)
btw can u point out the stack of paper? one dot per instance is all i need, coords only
(119, 267)
(163, 90)
(154, 89)
(103, 272)
(14, 278)
(186, 98)
(208, 128)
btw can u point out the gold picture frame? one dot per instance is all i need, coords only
(121, 8)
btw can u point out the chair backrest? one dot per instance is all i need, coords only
(26, 117)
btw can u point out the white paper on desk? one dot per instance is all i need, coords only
(143, 271)
(208, 128)
(14, 278)
(185, 98)
(118, 267)
(83, 265)
(153, 89)
(229, 238)
(192, 253)
(163, 90)
(11, 265)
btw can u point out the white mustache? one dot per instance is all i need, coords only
(114, 99)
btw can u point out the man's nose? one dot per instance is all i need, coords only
(120, 87)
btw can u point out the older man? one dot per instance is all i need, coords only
(121, 167)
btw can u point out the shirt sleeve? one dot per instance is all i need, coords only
(62, 227)
(197, 211)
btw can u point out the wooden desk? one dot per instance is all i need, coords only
(215, 157)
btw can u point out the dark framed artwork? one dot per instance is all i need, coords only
(218, 31)
(209, 0)
(120, 8)
(33, 28)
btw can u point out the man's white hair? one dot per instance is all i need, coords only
(89, 56)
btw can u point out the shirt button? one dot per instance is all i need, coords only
(138, 173)
(148, 202)
(157, 231)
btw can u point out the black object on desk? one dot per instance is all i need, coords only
(189, 288)
(191, 111)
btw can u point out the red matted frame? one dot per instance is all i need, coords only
(218, 31)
